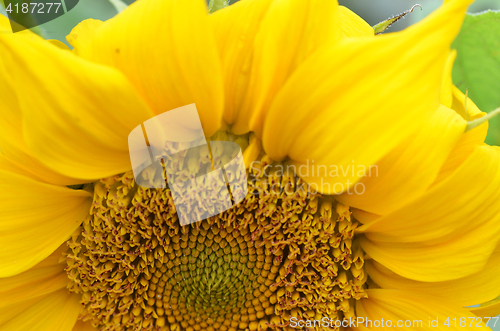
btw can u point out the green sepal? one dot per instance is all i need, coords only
(384, 25)
(215, 5)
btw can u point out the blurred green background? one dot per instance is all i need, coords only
(373, 11)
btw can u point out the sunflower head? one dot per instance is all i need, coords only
(284, 251)
(292, 85)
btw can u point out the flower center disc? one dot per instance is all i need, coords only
(282, 252)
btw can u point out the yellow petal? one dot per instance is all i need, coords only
(470, 139)
(81, 36)
(83, 326)
(432, 263)
(355, 101)
(235, 28)
(467, 291)
(364, 216)
(290, 32)
(490, 309)
(27, 164)
(12, 143)
(167, 50)
(352, 25)
(4, 25)
(416, 309)
(35, 219)
(78, 123)
(408, 170)
(447, 233)
(5, 28)
(8, 165)
(463, 202)
(458, 105)
(15, 309)
(447, 84)
(44, 278)
(58, 44)
(57, 311)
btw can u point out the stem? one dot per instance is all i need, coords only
(472, 124)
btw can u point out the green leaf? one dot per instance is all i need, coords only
(477, 66)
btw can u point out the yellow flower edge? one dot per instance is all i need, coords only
(291, 82)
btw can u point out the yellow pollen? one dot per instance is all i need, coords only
(282, 252)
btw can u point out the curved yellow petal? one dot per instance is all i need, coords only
(235, 28)
(59, 44)
(57, 311)
(467, 291)
(35, 219)
(364, 216)
(281, 47)
(447, 233)
(44, 278)
(81, 36)
(352, 25)
(470, 139)
(354, 101)
(466, 200)
(8, 165)
(459, 105)
(490, 309)
(409, 169)
(416, 309)
(433, 263)
(78, 123)
(27, 164)
(167, 50)
(12, 143)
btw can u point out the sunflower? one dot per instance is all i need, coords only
(298, 85)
